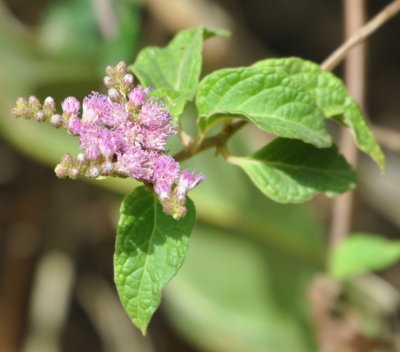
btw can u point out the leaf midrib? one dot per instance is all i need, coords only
(154, 227)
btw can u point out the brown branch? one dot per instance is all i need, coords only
(342, 211)
(359, 36)
(214, 141)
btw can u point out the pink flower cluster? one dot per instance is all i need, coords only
(122, 134)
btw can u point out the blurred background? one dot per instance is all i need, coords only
(254, 275)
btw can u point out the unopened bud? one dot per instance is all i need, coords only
(34, 103)
(179, 212)
(121, 68)
(108, 81)
(21, 101)
(66, 160)
(81, 158)
(114, 94)
(107, 168)
(40, 116)
(61, 171)
(127, 80)
(56, 120)
(26, 113)
(49, 104)
(93, 172)
(74, 173)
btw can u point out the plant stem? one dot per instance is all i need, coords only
(343, 206)
(214, 141)
(361, 34)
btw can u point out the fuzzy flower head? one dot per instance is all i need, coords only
(97, 108)
(187, 181)
(137, 96)
(121, 134)
(70, 106)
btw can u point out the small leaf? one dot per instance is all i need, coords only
(362, 252)
(176, 68)
(292, 171)
(266, 97)
(150, 248)
(332, 98)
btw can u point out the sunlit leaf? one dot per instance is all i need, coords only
(332, 98)
(174, 71)
(265, 97)
(150, 248)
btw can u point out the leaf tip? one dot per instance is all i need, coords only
(143, 330)
(215, 32)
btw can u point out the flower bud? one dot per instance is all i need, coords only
(121, 68)
(66, 160)
(56, 120)
(114, 95)
(21, 109)
(137, 96)
(179, 212)
(40, 116)
(26, 113)
(49, 105)
(34, 103)
(108, 81)
(127, 80)
(21, 102)
(107, 168)
(80, 158)
(93, 172)
(70, 106)
(74, 173)
(61, 171)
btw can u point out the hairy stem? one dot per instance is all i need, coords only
(214, 141)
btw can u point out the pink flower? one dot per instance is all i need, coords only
(188, 181)
(120, 135)
(138, 95)
(97, 108)
(71, 106)
(166, 172)
(154, 114)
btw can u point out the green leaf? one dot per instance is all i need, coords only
(362, 252)
(174, 71)
(150, 248)
(292, 171)
(332, 98)
(266, 97)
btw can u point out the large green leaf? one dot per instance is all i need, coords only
(267, 97)
(292, 171)
(174, 71)
(362, 252)
(150, 248)
(331, 97)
